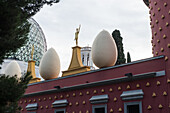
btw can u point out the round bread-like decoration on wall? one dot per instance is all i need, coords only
(12, 69)
(104, 50)
(50, 65)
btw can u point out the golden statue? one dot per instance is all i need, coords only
(76, 34)
(32, 52)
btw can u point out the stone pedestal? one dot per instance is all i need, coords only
(76, 65)
(31, 69)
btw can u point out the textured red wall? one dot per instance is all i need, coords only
(149, 66)
(154, 102)
(160, 20)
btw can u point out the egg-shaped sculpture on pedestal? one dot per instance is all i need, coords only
(50, 65)
(104, 50)
(12, 69)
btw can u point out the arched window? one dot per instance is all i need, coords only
(87, 59)
(83, 59)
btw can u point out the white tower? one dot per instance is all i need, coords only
(86, 57)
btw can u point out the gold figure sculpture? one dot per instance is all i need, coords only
(76, 34)
(32, 52)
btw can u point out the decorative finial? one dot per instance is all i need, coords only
(32, 52)
(76, 34)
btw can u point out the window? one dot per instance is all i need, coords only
(59, 111)
(132, 95)
(88, 59)
(83, 60)
(99, 109)
(133, 107)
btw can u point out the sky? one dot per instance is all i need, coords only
(131, 17)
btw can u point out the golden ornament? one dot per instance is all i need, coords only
(115, 99)
(154, 94)
(70, 104)
(147, 84)
(102, 90)
(84, 102)
(128, 87)
(164, 93)
(67, 95)
(158, 83)
(46, 107)
(119, 88)
(94, 91)
(87, 92)
(166, 58)
(81, 94)
(137, 85)
(164, 36)
(61, 96)
(111, 110)
(120, 109)
(110, 89)
(160, 106)
(74, 94)
(44, 98)
(77, 103)
(168, 81)
(149, 107)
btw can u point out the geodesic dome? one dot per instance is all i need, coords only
(35, 37)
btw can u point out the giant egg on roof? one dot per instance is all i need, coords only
(12, 69)
(50, 65)
(104, 50)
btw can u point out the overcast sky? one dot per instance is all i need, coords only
(131, 17)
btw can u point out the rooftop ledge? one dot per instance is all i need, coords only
(141, 69)
(102, 69)
(104, 82)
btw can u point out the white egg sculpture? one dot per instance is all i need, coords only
(12, 69)
(104, 50)
(49, 67)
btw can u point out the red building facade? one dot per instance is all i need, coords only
(138, 87)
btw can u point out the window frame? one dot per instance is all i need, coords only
(99, 106)
(32, 107)
(98, 99)
(133, 103)
(56, 110)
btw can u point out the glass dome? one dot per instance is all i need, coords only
(36, 38)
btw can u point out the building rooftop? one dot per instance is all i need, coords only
(116, 73)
